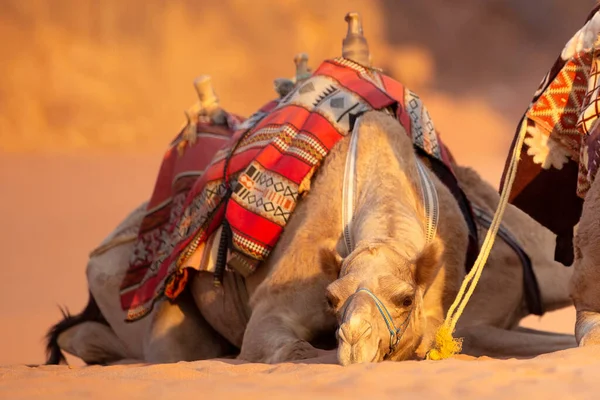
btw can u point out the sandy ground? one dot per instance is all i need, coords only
(566, 375)
(55, 208)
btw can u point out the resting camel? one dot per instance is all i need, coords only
(382, 277)
(292, 286)
(556, 181)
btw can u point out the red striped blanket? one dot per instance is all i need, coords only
(253, 184)
(182, 164)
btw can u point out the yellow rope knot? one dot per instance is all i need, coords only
(445, 345)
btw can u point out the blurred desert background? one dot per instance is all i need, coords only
(92, 92)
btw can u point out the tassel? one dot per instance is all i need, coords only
(224, 244)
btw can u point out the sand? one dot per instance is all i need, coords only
(566, 374)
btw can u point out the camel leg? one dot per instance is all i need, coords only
(546, 333)
(93, 342)
(280, 329)
(486, 340)
(271, 338)
(178, 332)
(585, 282)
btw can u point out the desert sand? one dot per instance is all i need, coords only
(562, 375)
(90, 96)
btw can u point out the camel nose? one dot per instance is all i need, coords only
(353, 330)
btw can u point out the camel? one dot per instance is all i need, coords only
(556, 182)
(381, 278)
(482, 329)
(298, 295)
(363, 298)
(583, 287)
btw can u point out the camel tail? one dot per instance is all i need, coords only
(91, 312)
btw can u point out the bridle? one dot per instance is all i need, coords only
(428, 194)
(431, 203)
(395, 333)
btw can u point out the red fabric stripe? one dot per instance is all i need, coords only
(397, 91)
(262, 229)
(242, 160)
(142, 294)
(237, 163)
(146, 292)
(162, 187)
(199, 156)
(290, 114)
(328, 135)
(349, 78)
(286, 165)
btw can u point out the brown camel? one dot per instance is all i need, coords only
(384, 277)
(364, 296)
(556, 182)
(291, 296)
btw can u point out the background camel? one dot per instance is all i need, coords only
(178, 332)
(559, 155)
(490, 322)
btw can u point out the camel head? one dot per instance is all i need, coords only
(378, 301)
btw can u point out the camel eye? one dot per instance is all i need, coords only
(407, 302)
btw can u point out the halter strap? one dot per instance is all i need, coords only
(349, 189)
(428, 194)
(430, 201)
(395, 333)
(533, 297)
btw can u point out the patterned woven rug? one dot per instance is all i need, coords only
(560, 156)
(253, 184)
(182, 164)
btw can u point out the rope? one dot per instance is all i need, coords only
(225, 242)
(445, 344)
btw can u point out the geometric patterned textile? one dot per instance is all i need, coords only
(560, 156)
(557, 110)
(254, 182)
(182, 164)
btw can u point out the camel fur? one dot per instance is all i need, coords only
(296, 298)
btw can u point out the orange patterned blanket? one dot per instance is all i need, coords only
(561, 151)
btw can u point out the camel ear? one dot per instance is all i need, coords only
(331, 263)
(428, 264)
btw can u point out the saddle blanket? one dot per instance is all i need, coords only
(254, 182)
(561, 151)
